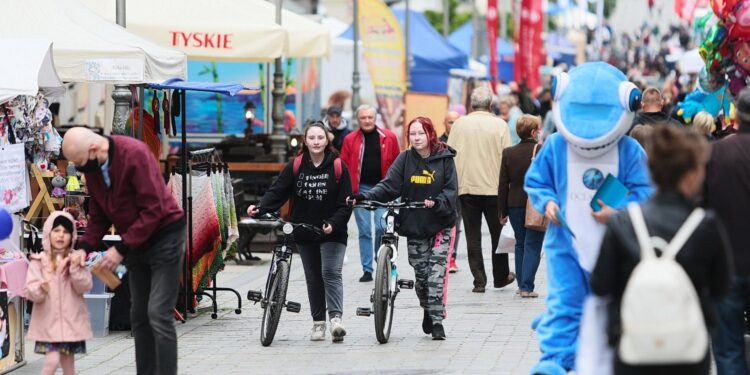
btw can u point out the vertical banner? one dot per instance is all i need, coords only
(385, 54)
(529, 53)
(492, 40)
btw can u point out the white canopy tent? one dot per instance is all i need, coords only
(27, 69)
(221, 30)
(88, 48)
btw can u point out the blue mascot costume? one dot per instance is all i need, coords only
(594, 108)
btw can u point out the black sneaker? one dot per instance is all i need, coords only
(438, 333)
(366, 277)
(427, 323)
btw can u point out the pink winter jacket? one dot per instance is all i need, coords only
(60, 314)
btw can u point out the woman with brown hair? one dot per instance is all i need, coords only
(512, 203)
(677, 161)
(318, 186)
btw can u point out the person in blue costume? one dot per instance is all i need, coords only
(593, 109)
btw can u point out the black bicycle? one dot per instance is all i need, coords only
(387, 283)
(273, 300)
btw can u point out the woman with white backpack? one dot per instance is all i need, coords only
(663, 264)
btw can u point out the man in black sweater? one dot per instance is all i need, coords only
(652, 110)
(727, 191)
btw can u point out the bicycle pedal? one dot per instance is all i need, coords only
(406, 284)
(254, 296)
(364, 311)
(293, 307)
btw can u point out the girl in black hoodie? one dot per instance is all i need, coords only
(318, 197)
(425, 172)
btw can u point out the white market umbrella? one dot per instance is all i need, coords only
(221, 30)
(27, 68)
(88, 48)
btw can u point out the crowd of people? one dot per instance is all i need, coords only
(498, 162)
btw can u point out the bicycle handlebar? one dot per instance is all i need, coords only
(371, 205)
(279, 222)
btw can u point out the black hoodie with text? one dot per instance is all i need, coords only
(316, 198)
(415, 178)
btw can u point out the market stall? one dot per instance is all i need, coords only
(201, 174)
(225, 30)
(88, 48)
(27, 74)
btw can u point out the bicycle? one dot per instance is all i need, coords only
(273, 299)
(387, 283)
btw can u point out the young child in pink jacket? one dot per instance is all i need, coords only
(56, 281)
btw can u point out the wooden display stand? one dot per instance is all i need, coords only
(43, 196)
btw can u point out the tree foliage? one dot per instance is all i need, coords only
(456, 19)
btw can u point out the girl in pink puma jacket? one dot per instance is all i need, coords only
(56, 281)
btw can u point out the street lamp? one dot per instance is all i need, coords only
(121, 94)
(355, 71)
(278, 138)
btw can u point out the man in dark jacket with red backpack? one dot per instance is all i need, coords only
(368, 153)
(127, 190)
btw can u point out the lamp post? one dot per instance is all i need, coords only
(446, 17)
(121, 94)
(355, 71)
(278, 138)
(406, 45)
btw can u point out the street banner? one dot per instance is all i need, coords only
(385, 54)
(492, 40)
(529, 52)
(685, 9)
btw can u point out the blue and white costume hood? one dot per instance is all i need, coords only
(593, 110)
(592, 118)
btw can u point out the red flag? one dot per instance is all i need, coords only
(529, 53)
(492, 40)
(686, 8)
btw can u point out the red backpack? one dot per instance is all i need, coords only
(337, 171)
(336, 167)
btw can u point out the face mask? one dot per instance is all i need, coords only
(91, 166)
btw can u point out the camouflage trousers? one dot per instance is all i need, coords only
(428, 256)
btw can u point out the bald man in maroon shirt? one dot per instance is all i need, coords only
(126, 189)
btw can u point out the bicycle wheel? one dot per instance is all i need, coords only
(382, 299)
(275, 303)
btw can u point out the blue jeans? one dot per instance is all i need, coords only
(528, 249)
(729, 337)
(364, 225)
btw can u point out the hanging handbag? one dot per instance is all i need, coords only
(534, 220)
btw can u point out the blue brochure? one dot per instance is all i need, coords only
(612, 193)
(564, 224)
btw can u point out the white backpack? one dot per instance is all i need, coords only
(661, 314)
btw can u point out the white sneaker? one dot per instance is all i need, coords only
(318, 331)
(337, 330)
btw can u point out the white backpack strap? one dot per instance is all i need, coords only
(685, 231)
(641, 232)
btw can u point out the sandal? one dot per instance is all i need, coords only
(529, 295)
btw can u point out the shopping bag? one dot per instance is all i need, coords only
(507, 242)
(594, 355)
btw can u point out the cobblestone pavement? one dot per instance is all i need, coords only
(487, 333)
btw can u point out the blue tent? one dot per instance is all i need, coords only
(461, 39)
(432, 57)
